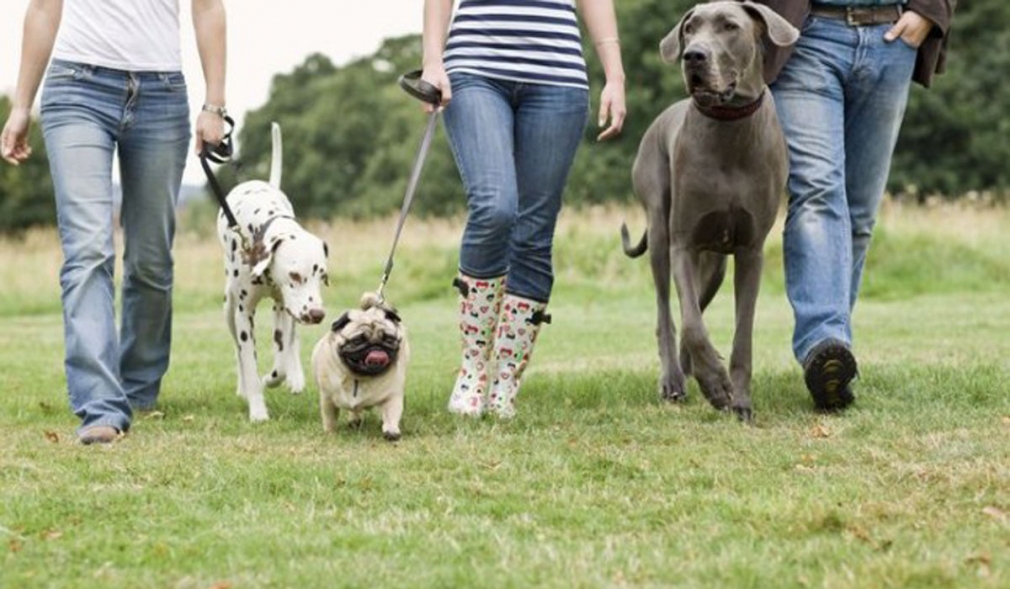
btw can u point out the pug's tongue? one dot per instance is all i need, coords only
(377, 358)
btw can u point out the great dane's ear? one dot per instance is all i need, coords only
(263, 262)
(669, 47)
(340, 323)
(777, 29)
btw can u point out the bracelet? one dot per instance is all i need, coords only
(213, 108)
(608, 40)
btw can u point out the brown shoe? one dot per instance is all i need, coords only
(99, 434)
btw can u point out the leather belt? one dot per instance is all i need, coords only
(858, 16)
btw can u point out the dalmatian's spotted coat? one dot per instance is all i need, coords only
(284, 262)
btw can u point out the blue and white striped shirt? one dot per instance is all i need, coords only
(534, 41)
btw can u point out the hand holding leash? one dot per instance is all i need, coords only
(221, 154)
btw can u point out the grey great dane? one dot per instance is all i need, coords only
(710, 172)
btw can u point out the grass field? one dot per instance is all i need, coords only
(595, 483)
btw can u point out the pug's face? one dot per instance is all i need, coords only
(368, 340)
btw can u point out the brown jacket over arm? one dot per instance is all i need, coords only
(932, 53)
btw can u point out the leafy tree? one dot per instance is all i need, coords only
(26, 191)
(955, 134)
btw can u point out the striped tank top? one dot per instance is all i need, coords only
(535, 41)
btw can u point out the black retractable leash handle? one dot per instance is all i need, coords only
(419, 89)
(412, 83)
(221, 154)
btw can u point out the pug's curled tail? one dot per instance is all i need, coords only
(633, 252)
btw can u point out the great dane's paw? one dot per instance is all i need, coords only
(274, 378)
(743, 412)
(717, 389)
(673, 389)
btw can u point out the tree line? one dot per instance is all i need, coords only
(351, 134)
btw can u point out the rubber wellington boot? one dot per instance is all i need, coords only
(479, 307)
(518, 327)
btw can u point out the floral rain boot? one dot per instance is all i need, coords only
(480, 304)
(518, 327)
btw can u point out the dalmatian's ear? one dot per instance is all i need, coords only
(264, 262)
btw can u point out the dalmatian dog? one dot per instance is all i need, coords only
(270, 255)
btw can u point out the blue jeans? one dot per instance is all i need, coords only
(514, 144)
(88, 114)
(841, 98)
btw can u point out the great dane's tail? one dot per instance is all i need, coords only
(633, 252)
(276, 156)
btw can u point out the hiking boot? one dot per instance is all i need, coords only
(828, 371)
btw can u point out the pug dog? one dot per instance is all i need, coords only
(362, 363)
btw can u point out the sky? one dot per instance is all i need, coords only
(265, 37)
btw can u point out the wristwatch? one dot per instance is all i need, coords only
(218, 110)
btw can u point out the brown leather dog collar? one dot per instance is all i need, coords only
(731, 113)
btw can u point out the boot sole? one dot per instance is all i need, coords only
(827, 376)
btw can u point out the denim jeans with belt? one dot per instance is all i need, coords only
(841, 98)
(88, 115)
(514, 144)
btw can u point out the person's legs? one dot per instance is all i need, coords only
(152, 154)
(550, 121)
(875, 105)
(549, 125)
(479, 123)
(809, 97)
(79, 122)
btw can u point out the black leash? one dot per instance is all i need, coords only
(412, 83)
(221, 154)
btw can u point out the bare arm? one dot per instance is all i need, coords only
(601, 23)
(436, 26)
(211, 42)
(42, 21)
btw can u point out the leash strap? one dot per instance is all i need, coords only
(408, 198)
(413, 84)
(221, 154)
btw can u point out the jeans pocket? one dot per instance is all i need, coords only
(59, 72)
(174, 81)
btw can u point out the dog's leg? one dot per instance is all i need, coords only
(708, 369)
(329, 413)
(747, 279)
(650, 177)
(287, 353)
(711, 272)
(278, 373)
(230, 309)
(296, 376)
(249, 380)
(392, 410)
(672, 385)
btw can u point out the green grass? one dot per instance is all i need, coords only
(595, 484)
